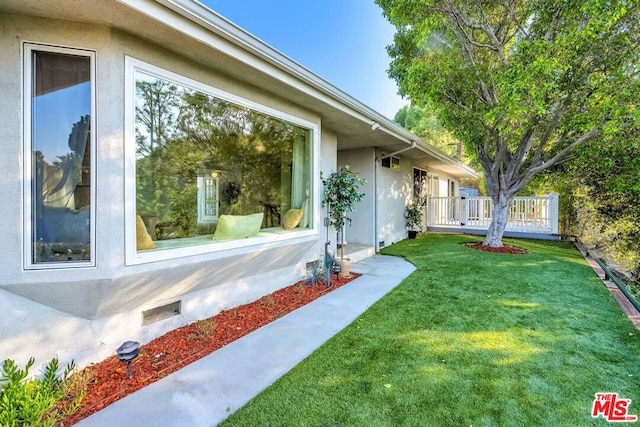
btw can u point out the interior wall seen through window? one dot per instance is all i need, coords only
(207, 167)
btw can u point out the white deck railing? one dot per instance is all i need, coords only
(527, 214)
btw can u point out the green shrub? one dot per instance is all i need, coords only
(34, 402)
(314, 272)
(329, 260)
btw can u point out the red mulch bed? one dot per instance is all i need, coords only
(108, 380)
(506, 249)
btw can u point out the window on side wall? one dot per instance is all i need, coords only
(59, 172)
(391, 162)
(420, 186)
(213, 170)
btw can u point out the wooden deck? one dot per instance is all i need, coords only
(516, 234)
(531, 217)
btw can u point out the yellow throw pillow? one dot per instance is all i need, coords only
(292, 218)
(143, 240)
(238, 226)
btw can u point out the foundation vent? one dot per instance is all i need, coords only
(381, 244)
(162, 312)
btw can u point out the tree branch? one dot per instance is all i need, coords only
(459, 19)
(553, 124)
(552, 161)
(523, 180)
(553, 28)
(522, 151)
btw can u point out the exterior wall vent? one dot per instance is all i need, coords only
(381, 244)
(162, 312)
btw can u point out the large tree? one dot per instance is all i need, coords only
(523, 82)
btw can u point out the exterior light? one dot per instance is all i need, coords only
(127, 352)
(335, 268)
(374, 125)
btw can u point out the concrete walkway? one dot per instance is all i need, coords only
(210, 389)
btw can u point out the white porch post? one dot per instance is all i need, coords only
(554, 212)
(464, 211)
(429, 211)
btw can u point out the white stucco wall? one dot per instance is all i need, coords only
(361, 229)
(394, 192)
(85, 313)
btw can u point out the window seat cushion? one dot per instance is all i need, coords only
(238, 226)
(292, 218)
(143, 239)
(206, 239)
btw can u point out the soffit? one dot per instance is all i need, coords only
(214, 42)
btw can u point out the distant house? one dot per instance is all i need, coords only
(160, 165)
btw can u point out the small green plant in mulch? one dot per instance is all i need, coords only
(267, 301)
(327, 267)
(314, 272)
(38, 401)
(203, 329)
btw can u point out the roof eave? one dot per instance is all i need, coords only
(208, 19)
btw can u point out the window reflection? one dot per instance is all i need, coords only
(211, 170)
(61, 157)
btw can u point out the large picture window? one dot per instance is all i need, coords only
(210, 169)
(58, 127)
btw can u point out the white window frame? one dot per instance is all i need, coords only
(27, 77)
(424, 190)
(433, 184)
(394, 162)
(452, 188)
(208, 196)
(132, 255)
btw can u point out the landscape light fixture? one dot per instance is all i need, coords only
(127, 352)
(374, 125)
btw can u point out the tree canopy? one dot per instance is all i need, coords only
(421, 121)
(522, 82)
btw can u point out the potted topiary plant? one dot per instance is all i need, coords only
(413, 215)
(341, 193)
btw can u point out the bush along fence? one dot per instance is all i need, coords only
(631, 293)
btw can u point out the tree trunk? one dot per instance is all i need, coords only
(500, 217)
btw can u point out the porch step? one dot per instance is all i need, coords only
(356, 252)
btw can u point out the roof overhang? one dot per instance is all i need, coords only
(192, 30)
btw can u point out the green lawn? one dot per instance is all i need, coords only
(469, 339)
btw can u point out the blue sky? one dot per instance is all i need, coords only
(342, 41)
